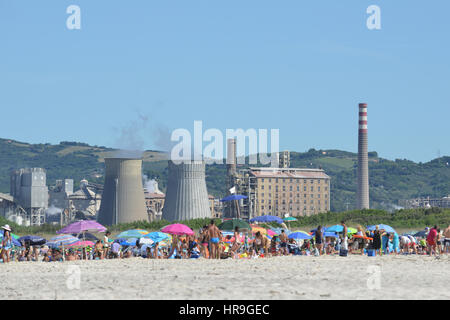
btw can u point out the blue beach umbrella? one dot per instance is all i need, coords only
(126, 241)
(267, 218)
(157, 236)
(234, 197)
(330, 234)
(335, 228)
(382, 226)
(299, 235)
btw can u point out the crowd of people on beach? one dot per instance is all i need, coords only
(212, 243)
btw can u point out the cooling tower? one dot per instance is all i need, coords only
(186, 195)
(363, 164)
(123, 194)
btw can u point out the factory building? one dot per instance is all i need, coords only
(426, 202)
(67, 205)
(29, 190)
(12, 211)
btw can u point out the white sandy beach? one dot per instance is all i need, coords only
(290, 277)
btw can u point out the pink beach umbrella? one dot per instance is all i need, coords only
(178, 229)
(82, 244)
(271, 232)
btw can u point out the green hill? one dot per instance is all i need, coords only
(390, 181)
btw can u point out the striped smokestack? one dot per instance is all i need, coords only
(363, 161)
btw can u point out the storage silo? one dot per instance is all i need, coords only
(186, 195)
(123, 194)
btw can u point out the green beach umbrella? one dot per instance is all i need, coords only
(289, 219)
(233, 223)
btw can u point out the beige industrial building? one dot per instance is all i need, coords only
(293, 191)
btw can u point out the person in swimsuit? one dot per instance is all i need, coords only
(6, 243)
(214, 239)
(283, 245)
(319, 239)
(204, 238)
(258, 243)
(237, 242)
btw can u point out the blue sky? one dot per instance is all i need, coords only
(298, 66)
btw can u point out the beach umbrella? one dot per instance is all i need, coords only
(255, 229)
(82, 226)
(288, 219)
(420, 234)
(233, 197)
(335, 228)
(126, 241)
(330, 234)
(32, 240)
(323, 230)
(146, 241)
(178, 229)
(86, 236)
(382, 226)
(233, 223)
(157, 236)
(299, 235)
(81, 244)
(62, 240)
(338, 228)
(271, 233)
(133, 233)
(267, 218)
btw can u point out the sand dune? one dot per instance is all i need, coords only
(291, 277)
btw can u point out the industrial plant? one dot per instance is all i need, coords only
(278, 190)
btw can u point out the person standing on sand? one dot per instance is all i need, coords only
(237, 243)
(284, 240)
(214, 239)
(377, 240)
(432, 240)
(204, 238)
(344, 236)
(319, 239)
(446, 235)
(6, 243)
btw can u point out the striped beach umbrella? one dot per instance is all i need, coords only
(133, 233)
(62, 240)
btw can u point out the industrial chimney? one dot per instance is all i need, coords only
(186, 195)
(123, 196)
(363, 163)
